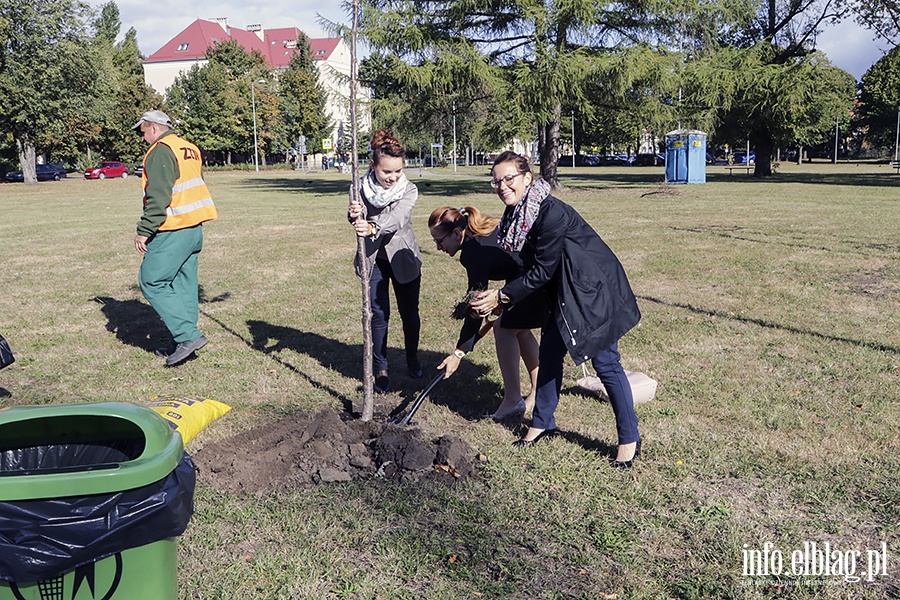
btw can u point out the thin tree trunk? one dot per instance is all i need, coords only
(368, 375)
(548, 148)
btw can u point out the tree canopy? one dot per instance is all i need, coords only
(879, 101)
(766, 81)
(491, 72)
(736, 68)
(48, 87)
(532, 58)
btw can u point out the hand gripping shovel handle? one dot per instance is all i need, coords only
(482, 331)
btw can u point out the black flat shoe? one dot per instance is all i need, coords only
(413, 367)
(523, 443)
(622, 465)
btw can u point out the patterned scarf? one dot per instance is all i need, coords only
(517, 220)
(379, 196)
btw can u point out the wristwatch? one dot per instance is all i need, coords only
(459, 354)
(502, 298)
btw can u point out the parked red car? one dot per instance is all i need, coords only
(109, 168)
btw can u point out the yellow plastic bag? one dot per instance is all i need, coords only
(188, 415)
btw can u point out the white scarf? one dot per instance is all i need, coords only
(379, 196)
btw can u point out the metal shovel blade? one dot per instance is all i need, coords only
(418, 402)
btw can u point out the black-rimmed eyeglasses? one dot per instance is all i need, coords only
(508, 179)
(440, 242)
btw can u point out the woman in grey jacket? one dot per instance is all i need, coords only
(593, 303)
(392, 253)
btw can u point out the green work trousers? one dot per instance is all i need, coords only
(168, 279)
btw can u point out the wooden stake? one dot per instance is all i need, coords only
(368, 375)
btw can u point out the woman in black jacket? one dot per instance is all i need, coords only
(591, 305)
(473, 235)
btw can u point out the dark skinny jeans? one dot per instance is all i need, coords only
(407, 296)
(609, 370)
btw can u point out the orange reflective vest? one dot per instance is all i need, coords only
(191, 202)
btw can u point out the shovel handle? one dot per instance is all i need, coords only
(420, 398)
(482, 331)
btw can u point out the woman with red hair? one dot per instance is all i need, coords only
(473, 235)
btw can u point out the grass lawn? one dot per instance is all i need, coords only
(771, 321)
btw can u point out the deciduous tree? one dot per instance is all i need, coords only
(125, 95)
(48, 83)
(213, 104)
(879, 101)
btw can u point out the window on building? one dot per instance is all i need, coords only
(183, 47)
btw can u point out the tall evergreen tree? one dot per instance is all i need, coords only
(762, 80)
(302, 99)
(546, 51)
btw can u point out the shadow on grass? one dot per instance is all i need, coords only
(5, 393)
(744, 234)
(769, 325)
(589, 444)
(344, 359)
(135, 323)
(440, 185)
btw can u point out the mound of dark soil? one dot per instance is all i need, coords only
(304, 449)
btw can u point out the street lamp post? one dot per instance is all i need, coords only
(837, 129)
(255, 143)
(454, 136)
(573, 139)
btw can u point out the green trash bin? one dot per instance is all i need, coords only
(92, 498)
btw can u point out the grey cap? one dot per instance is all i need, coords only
(154, 116)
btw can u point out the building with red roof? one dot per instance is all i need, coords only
(189, 47)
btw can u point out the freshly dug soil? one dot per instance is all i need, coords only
(327, 447)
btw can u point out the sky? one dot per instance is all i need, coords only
(848, 46)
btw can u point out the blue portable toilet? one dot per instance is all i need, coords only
(685, 156)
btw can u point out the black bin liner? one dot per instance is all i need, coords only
(44, 538)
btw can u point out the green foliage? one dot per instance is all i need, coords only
(213, 104)
(420, 101)
(48, 82)
(759, 80)
(793, 102)
(879, 97)
(526, 60)
(124, 96)
(302, 100)
(628, 91)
